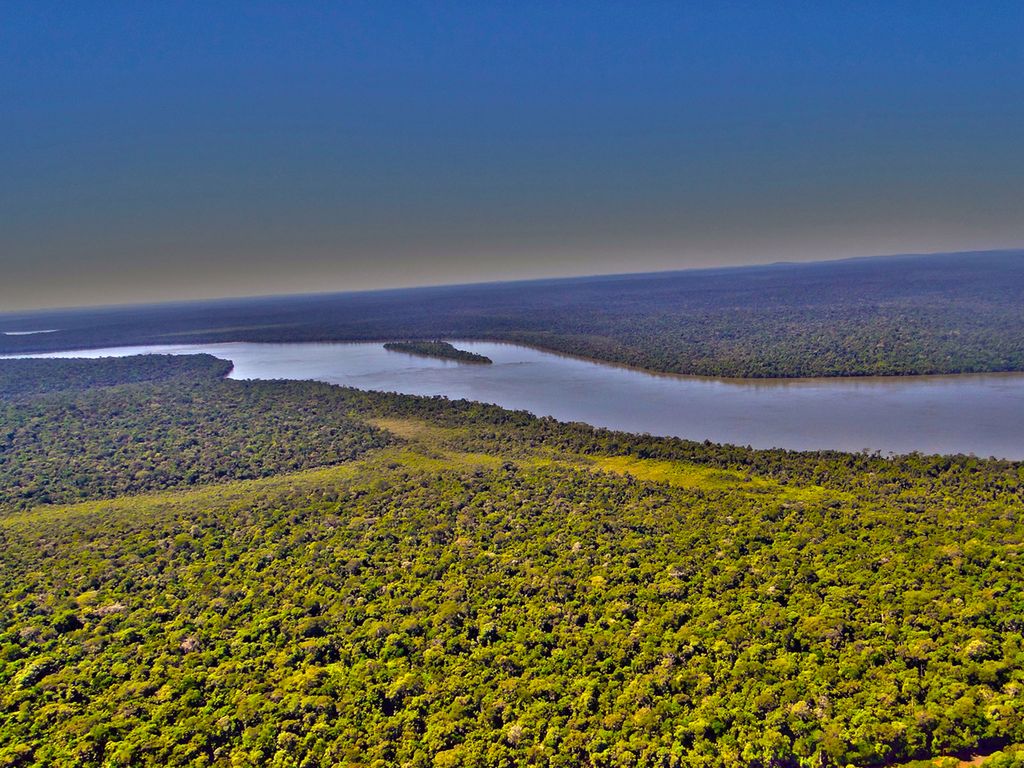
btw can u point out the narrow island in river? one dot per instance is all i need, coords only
(436, 348)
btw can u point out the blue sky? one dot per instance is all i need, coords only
(176, 150)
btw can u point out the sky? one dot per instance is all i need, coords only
(176, 150)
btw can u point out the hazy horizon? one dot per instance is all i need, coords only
(387, 288)
(196, 152)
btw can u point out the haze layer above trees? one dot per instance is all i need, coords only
(941, 313)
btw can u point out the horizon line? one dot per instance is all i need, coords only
(63, 309)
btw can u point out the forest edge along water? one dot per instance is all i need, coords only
(980, 414)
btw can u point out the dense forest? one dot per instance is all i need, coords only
(28, 377)
(86, 443)
(881, 316)
(436, 348)
(294, 574)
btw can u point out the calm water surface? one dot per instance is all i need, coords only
(980, 414)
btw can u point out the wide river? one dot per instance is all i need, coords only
(979, 414)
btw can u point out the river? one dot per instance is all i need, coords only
(980, 414)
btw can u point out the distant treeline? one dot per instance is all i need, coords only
(884, 316)
(434, 348)
(29, 377)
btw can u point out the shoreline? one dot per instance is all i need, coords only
(766, 381)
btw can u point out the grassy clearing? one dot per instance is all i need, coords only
(220, 496)
(430, 447)
(415, 429)
(681, 475)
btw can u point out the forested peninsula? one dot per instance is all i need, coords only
(883, 316)
(203, 571)
(439, 349)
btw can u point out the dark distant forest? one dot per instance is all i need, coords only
(940, 313)
(207, 572)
